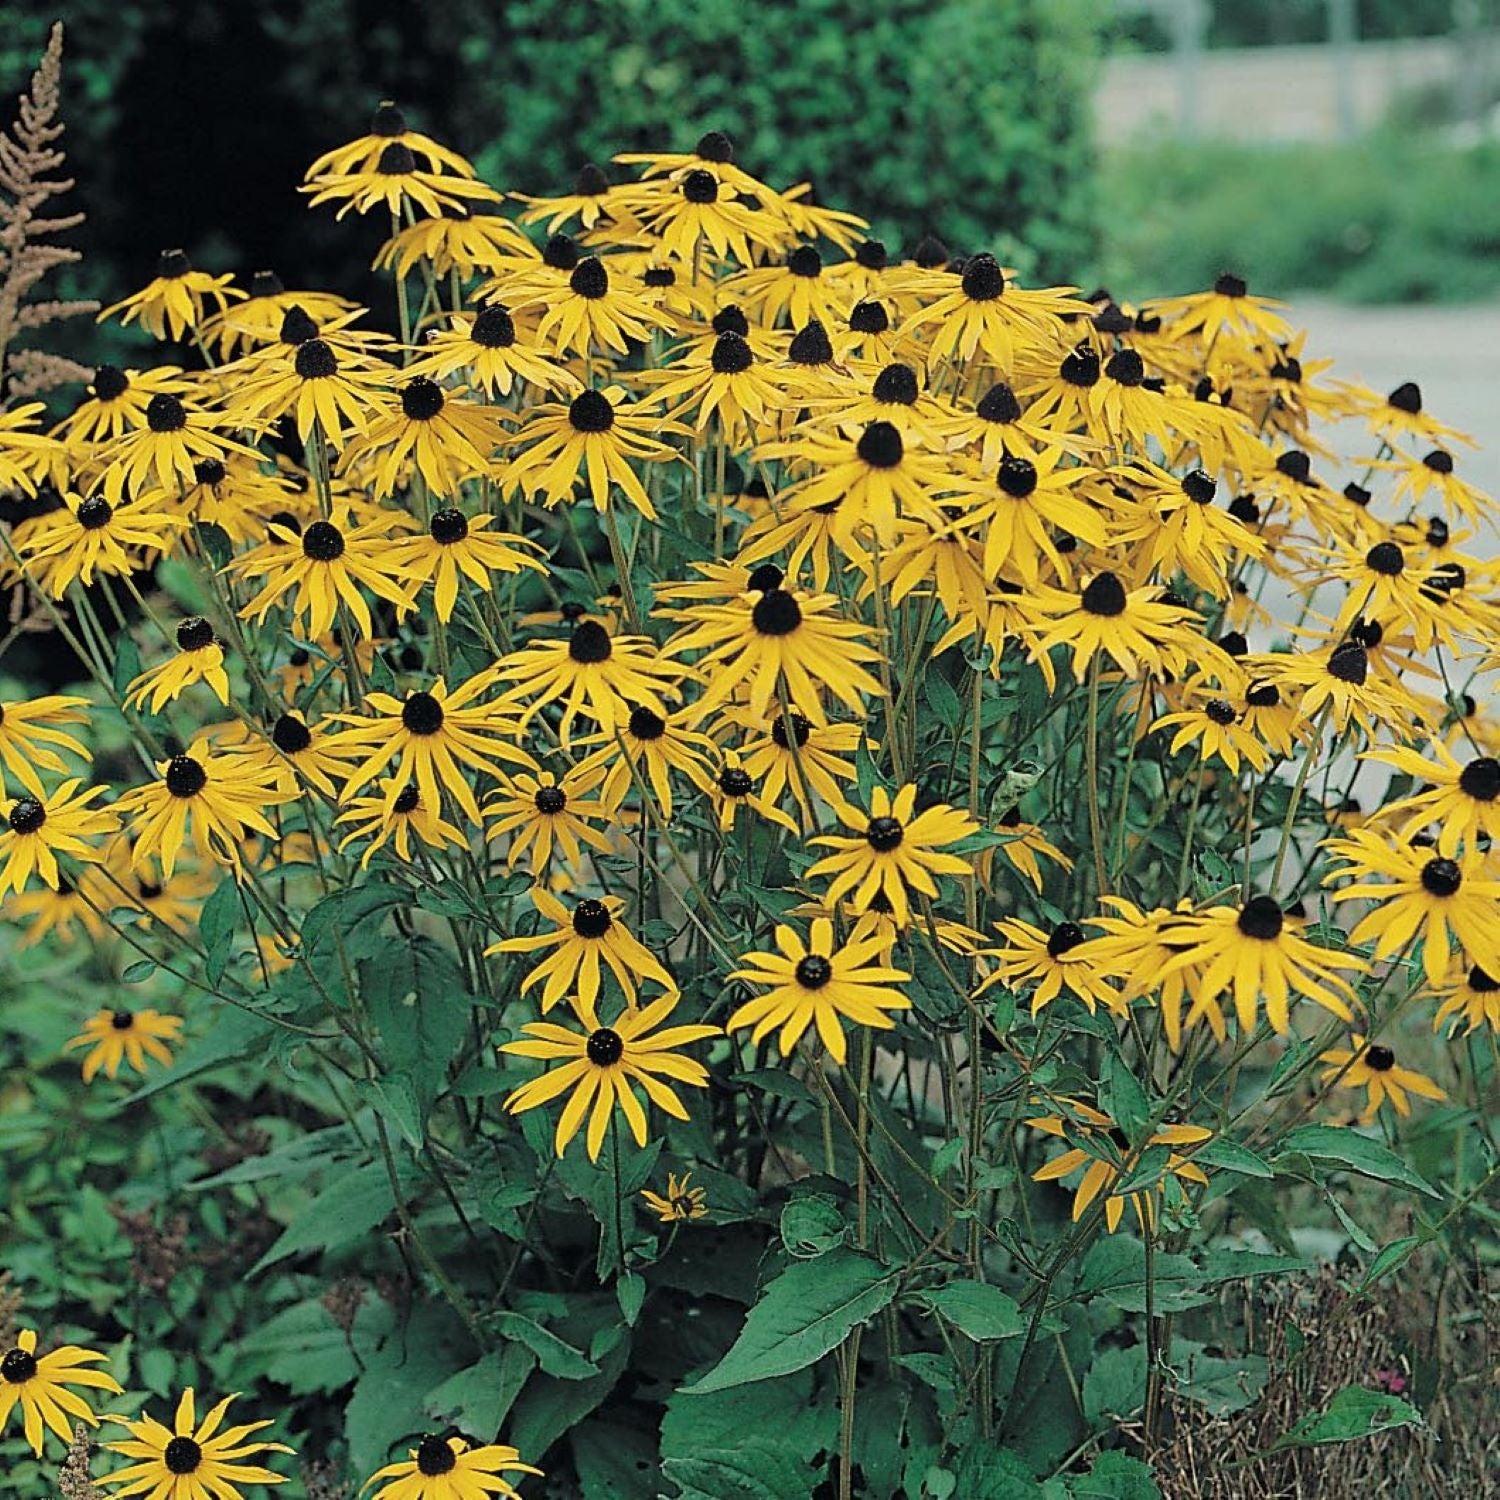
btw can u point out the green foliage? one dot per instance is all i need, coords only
(1395, 218)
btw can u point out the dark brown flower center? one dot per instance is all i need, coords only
(811, 345)
(896, 385)
(1016, 477)
(732, 355)
(1385, 558)
(590, 278)
(323, 542)
(735, 781)
(805, 261)
(880, 446)
(1379, 1059)
(1480, 779)
(435, 1456)
(448, 526)
(776, 612)
(421, 399)
(110, 382)
(591, 412)
(1406, 397)
(27, 815)
(121, 1020)
(591, 918)
(290, 735)
(1080, 368)
(1199, 487)
(182, 1455)
(494, 328)
(983, 279)
(1350, 663)
(408, 799)
(165, 413)
(1105, 595)
(194, 633)
(700, 186)
(550, 800)
(1220, 711)
(998, 404)
(17, 1367)
(1065, 936)
(590, 643)
(297, 326)
(185, 777)
(1126, 368)
(1441, 877)
(315, 361)
(646, 725)
(605, 1047)
(801, 729)
(396, 160)
(869, 317)
(1260, 917)
(813, 971)
(884, 834)
(422, 714)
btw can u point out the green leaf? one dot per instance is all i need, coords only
(1115, 1269)
(614, 1462)
(811, 1224)
(988, 1472)
(1390, 1257)
(127, 663)
(347, 1209)
(478, 1398)
(1128, 1105)
(1355, 1412)
(555, 1356)
(1230, 1156)
(220, 914)
(1116, 1476)
(755, 1468)
(978, 1310)
(945, 1156)
(235, 1036)
(803, 1314)
(1358, 1153)
(1115, 1387)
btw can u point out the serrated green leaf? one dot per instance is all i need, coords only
(978, 1310)
(1355, 1412)
(1358, 1153)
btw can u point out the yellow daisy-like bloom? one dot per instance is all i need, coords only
(1421, 895)
(172, 303)
(468, 241)
(1030, 503)
(114, 1037)
(1373, 1067)
(1134, 629)
(1056, 963)
(820, 983)
(874, 479)
(1400, 415)
(324, 387)
(191, 1460)
(725, 381)
(592, 201)
(28, 730)
(168, 449)
(213, 798)
(27, 458)
(38, 829)
(1462, 800)
(988, 313)
(680, 1203)
(581, 939)
(1341, 681)
(1227, 306)
(594, 436)
(542, 814)
(68, 914)
(1024, 844)
(1473, 997)
(601, 1066)
(392, 181)
(430, 735)
(1251, 951)
(734, 787)
(1112, 1157)
(116, 402)
(779, 641)
(1215, 726)
(327, 563)
(811, 760)
(699, 211)
(388, 127)
(644, 751)
(594, 313)
(458, 544)
(796, 291)
(895, 852)
(487, 349)
(93, 538)
(200, 658)
(394, 816)
(260, 319)
(442, 1468)
(594, 672)
(1131, 950)
(449, 440)
(38, 1384)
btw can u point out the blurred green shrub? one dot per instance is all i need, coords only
(967, 118)
(1395, 218)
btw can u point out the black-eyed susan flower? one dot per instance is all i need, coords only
(597, 311)
(695, 215)
(724, 380)
(1434, 476)
(896, 850)
(461, 240)
(396, 815)
(1024, 845)
(69, 914)
(644, 751)
(31, 736)
(492, 354)
(210, 799)
(1372, 1066)
(1110, 1156)
(602, 1065)
(115, 1037)
(680, 1203)
(779, 643)
(327, 564)
(166, 451)
(787, 752)
(593, 672)
(1462, 799)
(874, 478)
(794, 291)
(1056, 963)
(393, 181)
(191, 1460)
(734, 787)
(1401, 416)
(261, 317)
(199, 658)
(93, 538)
(581, 939)
(1251, 952)
(1227, 305)
(1131, 949)
(38, 829)
(1340, 681)
(389, 127)
(592, 201)
(28, 458)
(296, 754)
(1029, 503)
(428, 738)
(116, 402)
(1471, 997)
(593, 439)
(173, 302)
(1214, 724)
(447, 1468)
(541, 814)
(1134, 628)
(39, 1385)
(325, 389)
(447, 438)
(820, 983)
(1420, 893)
(455, 544)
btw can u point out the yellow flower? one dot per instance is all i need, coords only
(680, 1202)
(91, 538)
(27, 731)
(39, 1383)
(1057, 962)
(458, 544)
(601, 1066)
(541, 813)
(394, 816)
(200, 658)
(1373, 1067)
(190, 1460)
(172, 303)
(117, 1036)
(38, 829)
(442, 1468)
